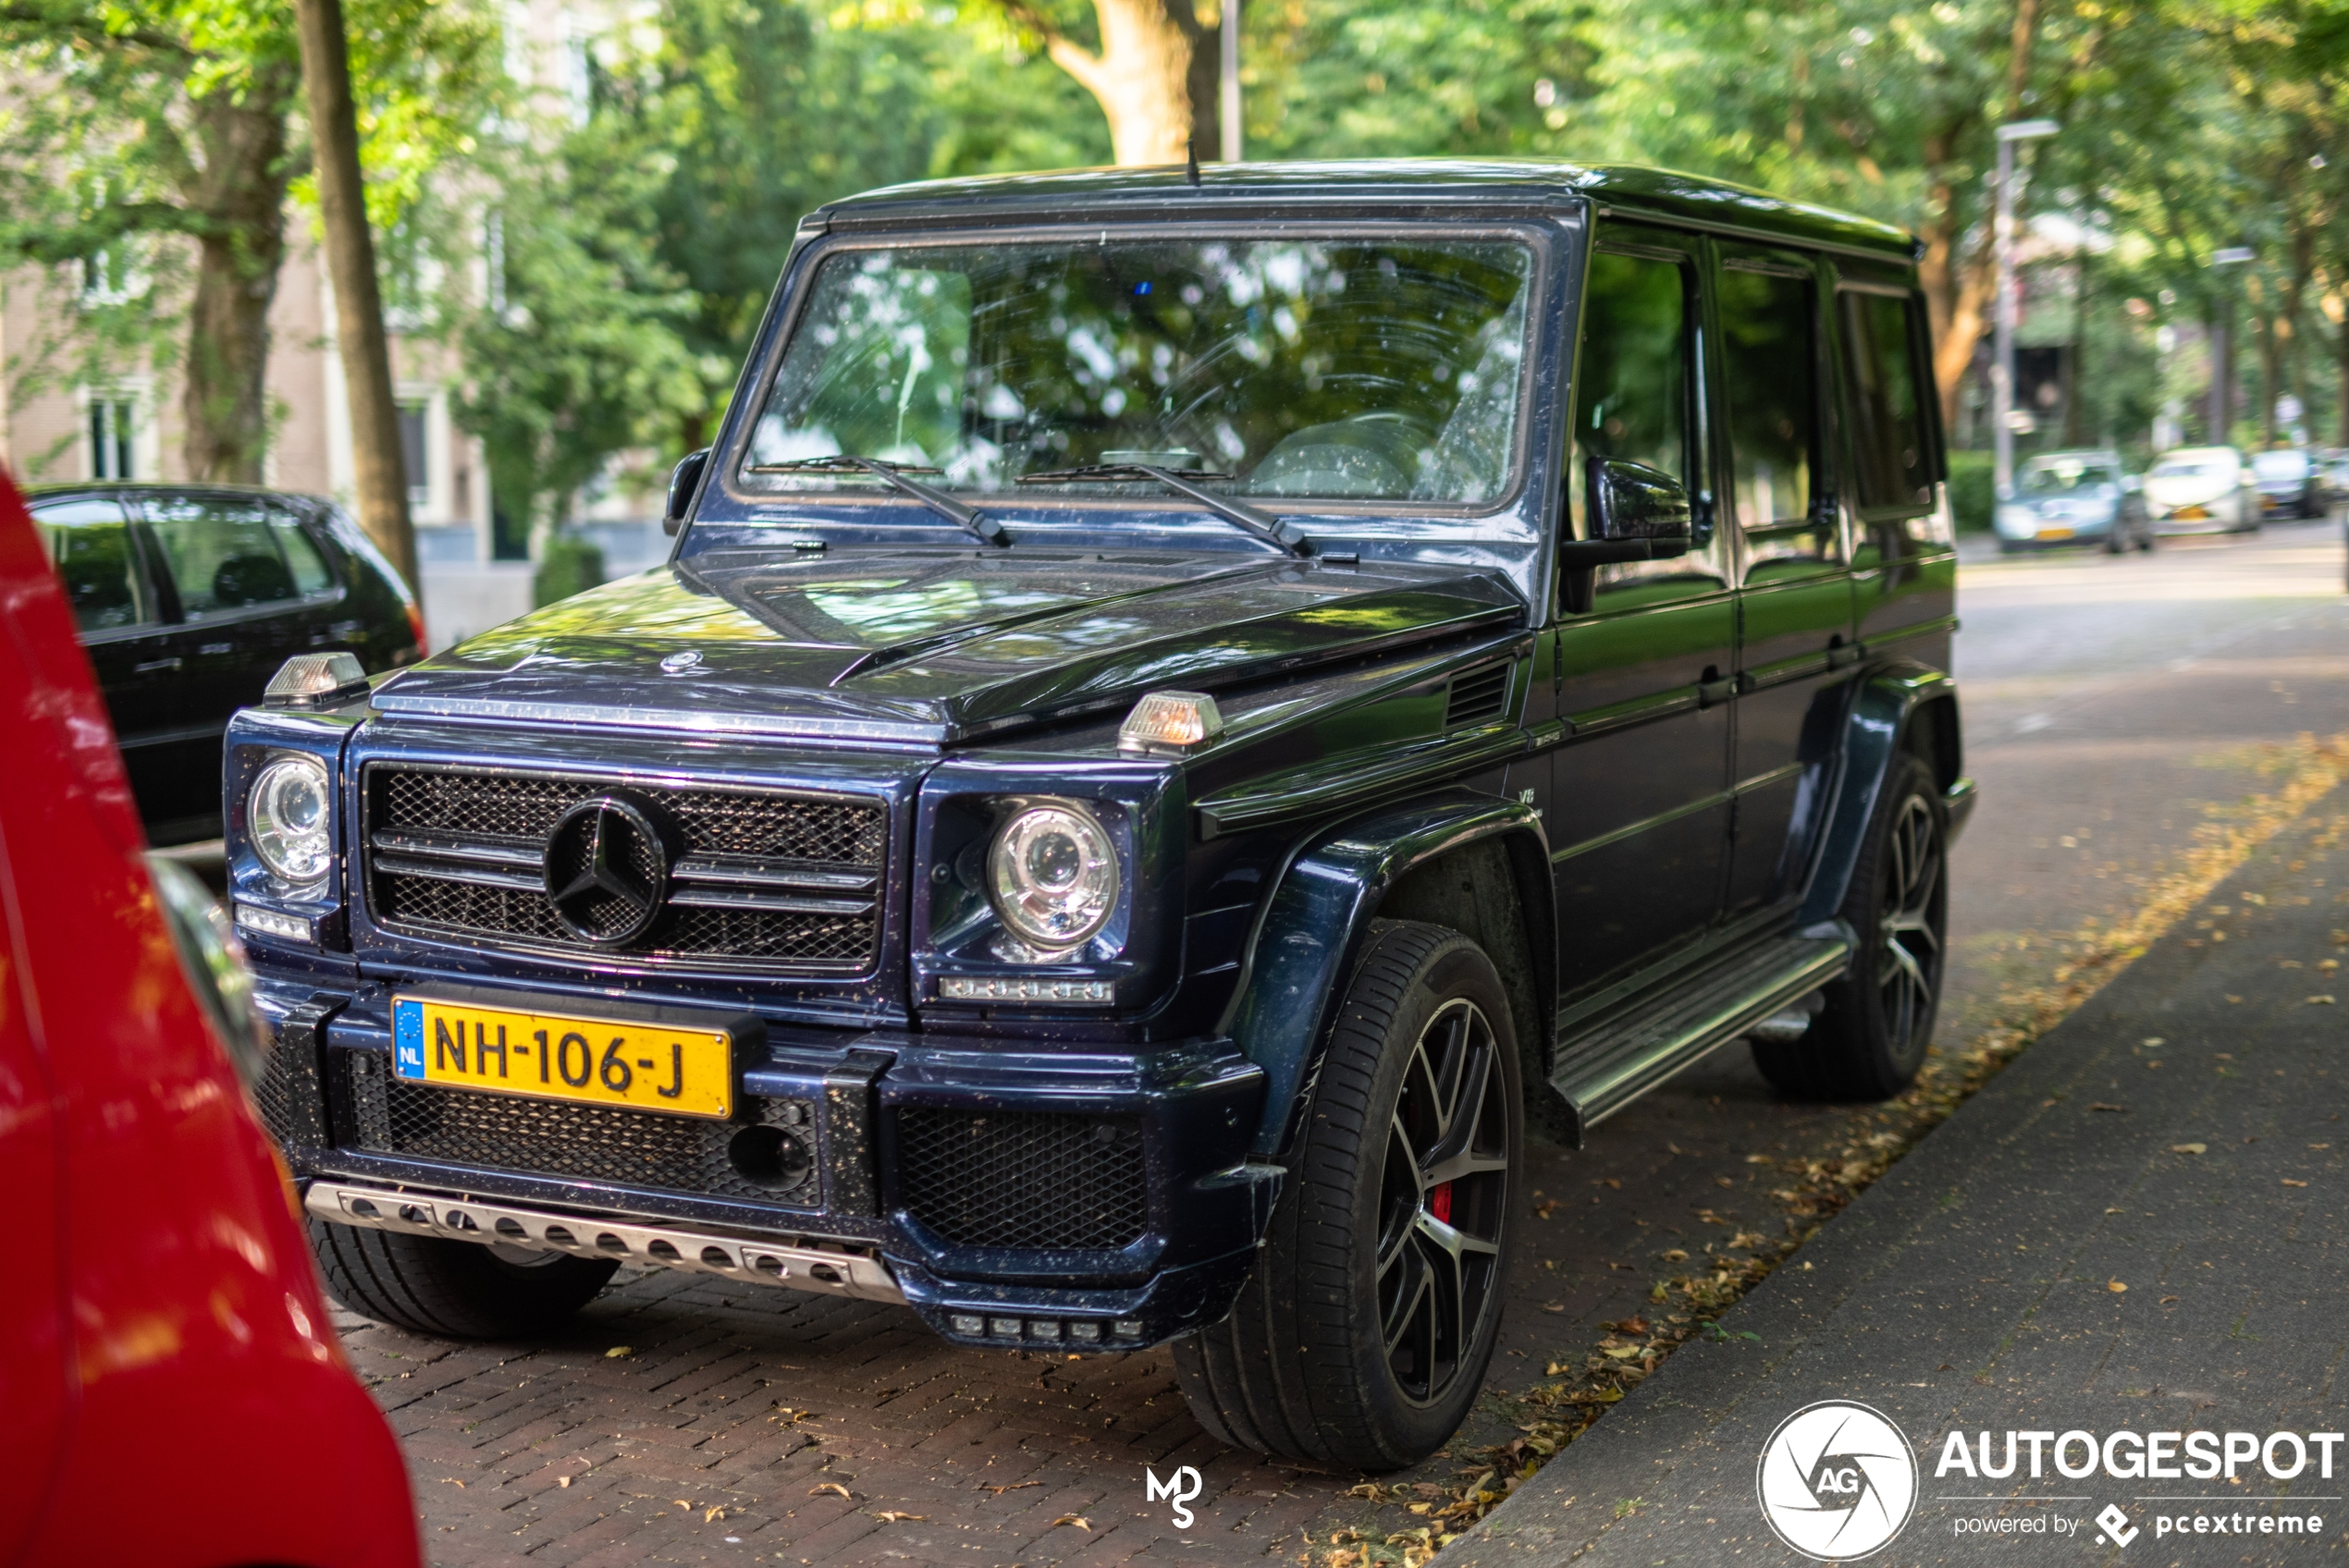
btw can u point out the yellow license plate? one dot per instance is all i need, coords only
(2191, 514)
(2055, 533)
(563, 1056)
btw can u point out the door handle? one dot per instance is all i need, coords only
(152, 665)
(1710, 692)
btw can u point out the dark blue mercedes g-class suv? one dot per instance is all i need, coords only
(1187, 713)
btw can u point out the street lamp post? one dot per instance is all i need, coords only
(1229, 97)
(2002, 316)
(2221, 370)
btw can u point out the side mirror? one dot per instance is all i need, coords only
(1632, 502)
(684, 480)
(1633, 513)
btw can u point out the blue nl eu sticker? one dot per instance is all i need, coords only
(407, 1038)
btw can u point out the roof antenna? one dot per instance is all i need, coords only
(1191, 160)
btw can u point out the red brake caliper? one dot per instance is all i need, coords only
(1439, 1202)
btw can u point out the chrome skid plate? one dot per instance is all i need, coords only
(762, 1263)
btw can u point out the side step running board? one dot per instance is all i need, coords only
(1606, 1069)
(797, 1268)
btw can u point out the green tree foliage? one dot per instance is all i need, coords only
(151, 146)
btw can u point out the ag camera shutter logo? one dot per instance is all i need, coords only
(1837, 1481)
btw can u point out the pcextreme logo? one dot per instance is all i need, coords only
(1837, 1481)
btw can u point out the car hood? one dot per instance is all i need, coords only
(2190, 489)
(930, 648)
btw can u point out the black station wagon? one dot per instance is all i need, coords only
(1187, 718)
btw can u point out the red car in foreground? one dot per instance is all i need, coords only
(171, 1392)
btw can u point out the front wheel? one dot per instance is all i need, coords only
(1363, 1336)
(449, 1289)
(1869, 1041)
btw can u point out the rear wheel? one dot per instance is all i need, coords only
(453, 1290)
(1363, 1335)
(1869, 1039)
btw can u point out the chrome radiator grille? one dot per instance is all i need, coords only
(772, 880)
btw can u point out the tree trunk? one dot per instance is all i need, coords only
(1957, 289)
(240, 195)
(350, 261)
(1155, 77)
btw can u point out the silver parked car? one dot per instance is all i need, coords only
(2291, 482)
(2081, 497)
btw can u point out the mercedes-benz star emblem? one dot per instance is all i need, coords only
(605, 870)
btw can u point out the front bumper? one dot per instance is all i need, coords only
(2076, 529)
(1008, 1194)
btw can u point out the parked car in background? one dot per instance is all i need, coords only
(1175, 728)
(2202, 490)
(2084, 498)
(2291, 483)
(162, 1329)
(187, 597)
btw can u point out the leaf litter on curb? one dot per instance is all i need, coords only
(1812, 1190)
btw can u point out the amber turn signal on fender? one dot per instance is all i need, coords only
(1177, 719)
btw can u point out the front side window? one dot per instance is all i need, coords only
(1349, 370)
(230, 555)
(89, 543)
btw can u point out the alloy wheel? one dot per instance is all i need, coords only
(1909, 964)
(1443, 1200)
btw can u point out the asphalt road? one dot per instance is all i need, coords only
(2116, 708)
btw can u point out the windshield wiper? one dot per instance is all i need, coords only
(1239, 514)
(984, 528)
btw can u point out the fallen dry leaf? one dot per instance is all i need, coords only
(452, 1481)
(617, 1351)
(2290, 1182)
(2167, 1299)
(2115, 1286)
(2320, 1001)
(562, 1480)
(2189, 1148)
(710, 1516)
(1553, 1306)
(1543, 1209)
(894, 1516)
(827, 1486)
(2100, 1105)
(1008, 1486)
(1081, 1523)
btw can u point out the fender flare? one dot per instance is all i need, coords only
(1887, 705)
(1314, 924)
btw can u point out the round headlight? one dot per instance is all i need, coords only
(290, 812)
(1053, 875)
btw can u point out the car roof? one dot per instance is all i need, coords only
(165, 487)
(2198, 452)
(1351, 187)
(2078, 454)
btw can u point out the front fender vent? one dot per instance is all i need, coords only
(1478, 696)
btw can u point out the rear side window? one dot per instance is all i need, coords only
(230, 554)
(1892, 467)
(89, 541)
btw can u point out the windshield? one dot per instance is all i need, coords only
(2187, 469)
(1382, 369)
(2066, 478)
(2281, 465)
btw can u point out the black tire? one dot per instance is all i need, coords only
(451, 1289)
(2009, 547)
(2116, 541)
(1362, 1336)
(1869, 1039)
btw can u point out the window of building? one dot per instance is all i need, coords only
(416, 455)
(113, 438)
